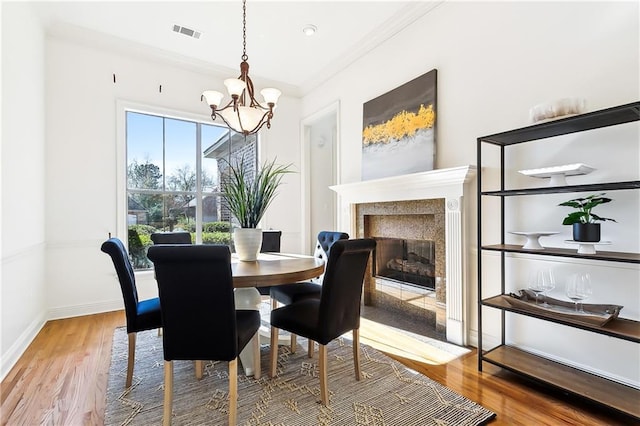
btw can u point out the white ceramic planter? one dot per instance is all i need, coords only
(247, 242)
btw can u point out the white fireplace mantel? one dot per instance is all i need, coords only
(449, 184)
(442, 183)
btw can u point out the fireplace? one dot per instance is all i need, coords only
(435, 201)
(406, 261)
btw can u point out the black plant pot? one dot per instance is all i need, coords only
(586, 232)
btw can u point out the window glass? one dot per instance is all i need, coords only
(211, 136)
(174, 168)
(144, 151)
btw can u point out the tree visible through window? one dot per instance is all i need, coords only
(174, 170)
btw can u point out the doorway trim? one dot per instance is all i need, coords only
(305, 161)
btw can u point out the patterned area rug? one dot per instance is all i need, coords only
(387, 394)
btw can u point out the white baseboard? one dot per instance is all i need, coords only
(13, 354)
(488, 341)
(587, 368)
(472, 338)
(87, 309)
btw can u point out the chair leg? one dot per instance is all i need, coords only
(131, 360)
(168, 393)
(294, 343)
(311, 347)
(233, 391)
(273, 349)
(256, 356)
(274, 304)
(324, 391)
(198, 365)
(356, 352)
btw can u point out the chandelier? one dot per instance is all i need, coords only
(243, 113)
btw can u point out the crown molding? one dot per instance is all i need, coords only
(93, 39)
(398, 22)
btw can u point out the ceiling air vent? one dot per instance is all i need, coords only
(187, 31)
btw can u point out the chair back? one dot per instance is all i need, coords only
(323, 247)
(115, 248)
(342, 286)
(270, 241)
(171, 237)
(195, 287)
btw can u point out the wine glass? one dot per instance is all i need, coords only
(535, 285)
(547, 282)
(579, 288)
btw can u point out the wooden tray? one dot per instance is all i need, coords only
(597, 315)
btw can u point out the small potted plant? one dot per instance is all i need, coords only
(248, 197)
(585, 228)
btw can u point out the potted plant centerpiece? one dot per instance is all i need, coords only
(585, 228)
(249, 195)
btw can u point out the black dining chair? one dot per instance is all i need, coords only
(141, 314)
(270, 244)
(271, 240)
(290, 293)
(336, 312)
(199, 317)
(178, 237)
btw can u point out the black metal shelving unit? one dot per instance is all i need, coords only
(613, 395)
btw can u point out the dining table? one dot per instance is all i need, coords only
(268, 270)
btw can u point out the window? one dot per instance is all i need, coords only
(173, 172)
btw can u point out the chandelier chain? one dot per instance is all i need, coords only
(244, 30)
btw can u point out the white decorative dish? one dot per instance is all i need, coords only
(586, 247)
(557, 174)
(533, 238)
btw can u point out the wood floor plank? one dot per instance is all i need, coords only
(61, 380)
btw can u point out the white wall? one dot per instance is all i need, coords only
(283, 142)
(81, 162)
(321, 145)
(23, 290)
(495, 60)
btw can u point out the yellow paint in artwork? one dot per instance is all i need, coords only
(403, 124)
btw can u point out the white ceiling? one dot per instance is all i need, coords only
(279, 53)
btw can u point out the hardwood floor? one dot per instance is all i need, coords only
(61, 380)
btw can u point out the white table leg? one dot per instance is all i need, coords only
(247, 298)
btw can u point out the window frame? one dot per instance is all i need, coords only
(123, 107)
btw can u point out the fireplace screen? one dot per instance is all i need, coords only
(407, 261)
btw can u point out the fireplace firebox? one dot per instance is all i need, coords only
(406, 261)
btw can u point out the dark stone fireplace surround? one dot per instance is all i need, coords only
(436, 199)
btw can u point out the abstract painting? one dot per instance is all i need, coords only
(399, 130)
